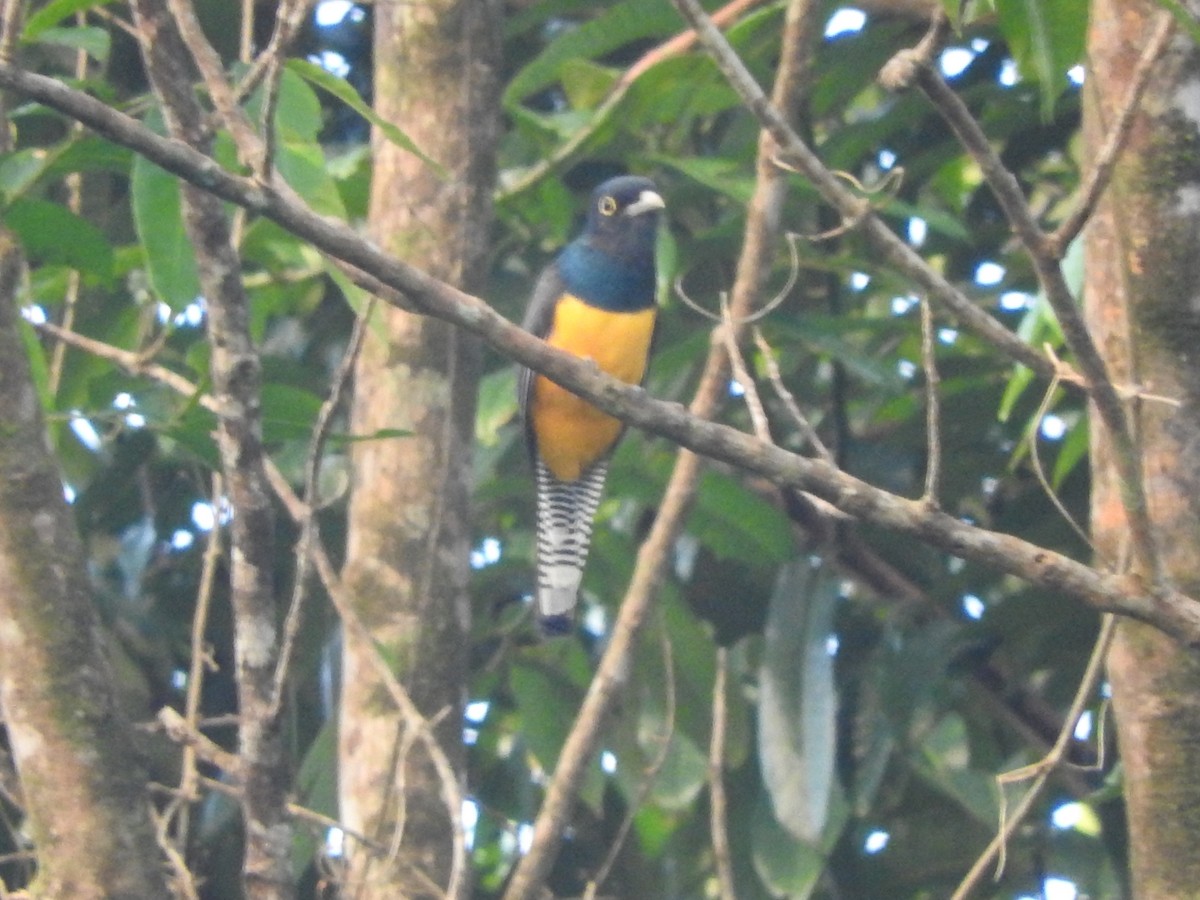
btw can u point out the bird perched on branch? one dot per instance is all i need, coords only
(596, 300)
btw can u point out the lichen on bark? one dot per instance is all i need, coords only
(1143, 304)
(86, 797)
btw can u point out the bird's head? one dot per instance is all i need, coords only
(623, 217)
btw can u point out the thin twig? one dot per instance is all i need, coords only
(933, 428)
(1039, 472)
(718, 814)
(286, 23)
(727, 318)
(178, 730)
(116, 21)
(200, 661)
(901, 70)
(312, 501)
(580, 138)
(294, 809)
(758, 413)
(74, 183)
(651, 772)
(246, 38)
(1100, 174)
(288, 19)
(795, 152)
(183, 884)
(1041, 770)
(1101, 390)
(789, 400)
(249, 145)
(11, 17)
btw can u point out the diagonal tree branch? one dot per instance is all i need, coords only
(854, 209)
(1050, 278)
(398, 283)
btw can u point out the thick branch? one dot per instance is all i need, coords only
(237, 380)
(85, 794)
(1168, 609)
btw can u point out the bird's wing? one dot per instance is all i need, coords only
(539, 317)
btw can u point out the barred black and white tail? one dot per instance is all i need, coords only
(564, 531)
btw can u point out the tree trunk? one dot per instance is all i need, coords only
(86, 803)
(1143, 304)
(409, 529)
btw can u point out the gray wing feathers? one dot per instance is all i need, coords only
(539, 317)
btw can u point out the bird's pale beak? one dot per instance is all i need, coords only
(647, 201)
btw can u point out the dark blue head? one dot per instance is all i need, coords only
(612, 263)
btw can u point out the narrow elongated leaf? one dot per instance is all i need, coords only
(158, 218)
(1046, 40)
(93, 41)
(53, 13)
(613, 28)
(797, 702)
(316, 785)
(788, 869)
(341, 89)
(1073, 450)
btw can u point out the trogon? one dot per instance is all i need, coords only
(596, 300)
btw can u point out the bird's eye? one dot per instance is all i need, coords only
(608, 206)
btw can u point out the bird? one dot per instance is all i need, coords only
(597, 301)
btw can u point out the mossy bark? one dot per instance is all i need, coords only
(86, 801)
(409, 531)
(1143, 305)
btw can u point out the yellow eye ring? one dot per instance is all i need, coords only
(608, 206)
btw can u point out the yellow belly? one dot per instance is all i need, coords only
(571, 433)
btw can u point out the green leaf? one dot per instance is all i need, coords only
(1020, 379)
(1183, 17)
(316, 788)
(52, 233)
(797, 704)
(38, 368)
(297, 107)
(789, 868)
(287, 411)
(727, 176)
(944, 761)
(53, 13)
(1046, 39)
(20, 169)
(611, 29)
(158, 218)
(342, 90)
(548, 702)
(302, 165)
(1073, 450)
(735, 522)
(94, 41)
(586, 84)
(497, 405)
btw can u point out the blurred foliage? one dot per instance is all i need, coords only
(868, 716)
